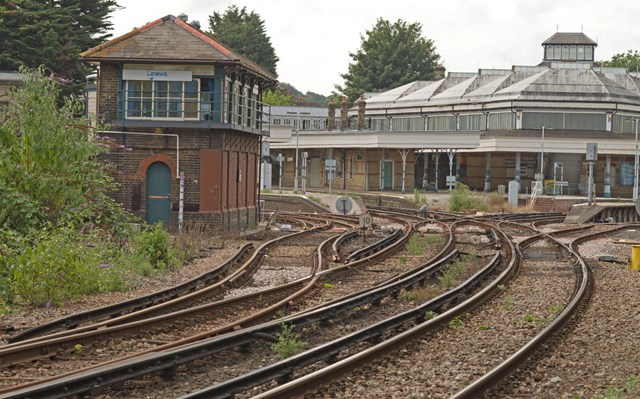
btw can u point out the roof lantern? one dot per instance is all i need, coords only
(569, 47)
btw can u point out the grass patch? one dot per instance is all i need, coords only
(456, 323)
(407, 295)
(430, 314)
(423, 294)
(417, 245)
(432, 239)
(630, 390)
(317, 200)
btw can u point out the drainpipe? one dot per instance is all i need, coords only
(386, 115)
(260, 172)
(424, 118)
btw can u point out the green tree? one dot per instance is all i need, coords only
(245, 33)
(51, 169)
(389, 56)
(52, 33)
(629, 60)
(276, 97)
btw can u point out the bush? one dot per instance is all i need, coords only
(154, 244)
(495, 201)
(57, 265)
(462, 199)
(288, 343)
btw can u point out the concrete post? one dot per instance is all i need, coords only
(425, 170)
(487, 172)
(607, 178)
(517, 175)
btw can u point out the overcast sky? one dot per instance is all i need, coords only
(313, 38)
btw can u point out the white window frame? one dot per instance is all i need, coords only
(153, 99)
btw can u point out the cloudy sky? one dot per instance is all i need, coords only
(313, 38)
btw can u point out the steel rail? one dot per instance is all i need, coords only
(301, 385)
(78, 382)
(335, 253)
(331, 349)
(89, 337)
(72, 321)
(172, 304)
(375, 247)
(509, 365)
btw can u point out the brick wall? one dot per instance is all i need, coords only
(213, 186)
(107, 91)
(364, 177)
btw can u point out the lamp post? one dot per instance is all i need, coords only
(542, 157)
(297, 129)
(635, 167)
(295, 165)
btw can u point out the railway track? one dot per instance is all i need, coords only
(372, 317)
(18, 352)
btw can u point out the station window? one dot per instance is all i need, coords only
(162, 99)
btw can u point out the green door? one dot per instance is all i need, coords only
(386, 178)
(158, 193)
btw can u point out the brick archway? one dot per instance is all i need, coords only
(144, 165)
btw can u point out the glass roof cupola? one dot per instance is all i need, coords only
(569, 47)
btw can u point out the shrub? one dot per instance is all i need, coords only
(59, 264)
(495, 201)
(450, 273)
(154, 243)
(447, 279)
(462, 199)
(191, 240)
(288, 343)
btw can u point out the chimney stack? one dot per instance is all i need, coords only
(361, 107)
(344, 114)
(331, 122)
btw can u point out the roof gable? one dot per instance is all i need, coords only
(169, 40)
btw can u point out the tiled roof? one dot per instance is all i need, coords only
(169, 39)
(569, 38)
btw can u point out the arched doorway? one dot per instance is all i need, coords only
(158, 193)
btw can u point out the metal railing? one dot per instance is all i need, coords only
(536, 190)
(211, 107)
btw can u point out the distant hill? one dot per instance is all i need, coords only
(308, 99)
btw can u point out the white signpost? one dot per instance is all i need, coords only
(365, 221)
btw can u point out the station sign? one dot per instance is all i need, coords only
(153, 74)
